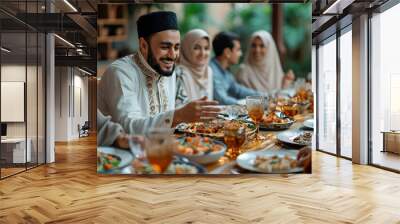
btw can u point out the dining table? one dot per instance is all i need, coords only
(267, 141)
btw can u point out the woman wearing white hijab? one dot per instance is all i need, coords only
(262, 69)
(194, 76)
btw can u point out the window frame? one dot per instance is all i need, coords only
(334, 37)
(379, 10)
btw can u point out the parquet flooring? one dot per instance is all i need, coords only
(386, 159)
(70, 191)
(10, 171)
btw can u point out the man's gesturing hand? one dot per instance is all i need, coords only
(196, 111)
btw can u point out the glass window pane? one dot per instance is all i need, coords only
(346, 94)
(23, 81)
(327, 97)
(13, 86)
(385, 88)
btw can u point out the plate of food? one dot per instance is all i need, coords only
(202, 150)
(110, 159)
(309, 123)
(270, 161)
(180, 165)
(296, 137)
(276, 121)
(215, 128)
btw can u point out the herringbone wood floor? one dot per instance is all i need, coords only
(70, 191)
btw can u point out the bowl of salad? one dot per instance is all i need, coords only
(202, 150)
(112, 160)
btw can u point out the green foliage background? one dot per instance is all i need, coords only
(248, 18)
(244, 19)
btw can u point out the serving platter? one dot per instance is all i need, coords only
(288, 137)
(214, 129)
(248, 160)
(125, 159)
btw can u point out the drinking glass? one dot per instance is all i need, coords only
(159, 148)
(290, 110)
(234, 137)
(255, 109)
(136, 148)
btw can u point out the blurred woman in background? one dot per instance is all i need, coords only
(262, 69)
(194, 76)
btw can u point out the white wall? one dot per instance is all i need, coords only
(71, 93)
(80, 84)
(33, 127)
(12, 73)
(61, 104)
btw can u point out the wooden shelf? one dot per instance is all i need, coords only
(111, 22)
(107, 39)
(111, 28)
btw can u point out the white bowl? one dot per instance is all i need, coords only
(206, 158)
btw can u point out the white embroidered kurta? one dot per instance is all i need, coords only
(107, 131)
(135, 96)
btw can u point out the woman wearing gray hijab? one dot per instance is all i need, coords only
(194, 76)
(262, 69)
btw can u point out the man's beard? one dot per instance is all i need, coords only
(152, 61)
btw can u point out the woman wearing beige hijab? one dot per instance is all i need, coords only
(262, 69)
(194, 76)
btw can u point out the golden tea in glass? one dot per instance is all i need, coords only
(234, 137)
(290, 110)
(255, 109)
(256, 113)
(160, 145)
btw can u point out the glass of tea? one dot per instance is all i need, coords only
(255, 110)
(234, 137)
(159, 147)
(290, 110)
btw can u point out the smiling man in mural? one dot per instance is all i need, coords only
(138, 90)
